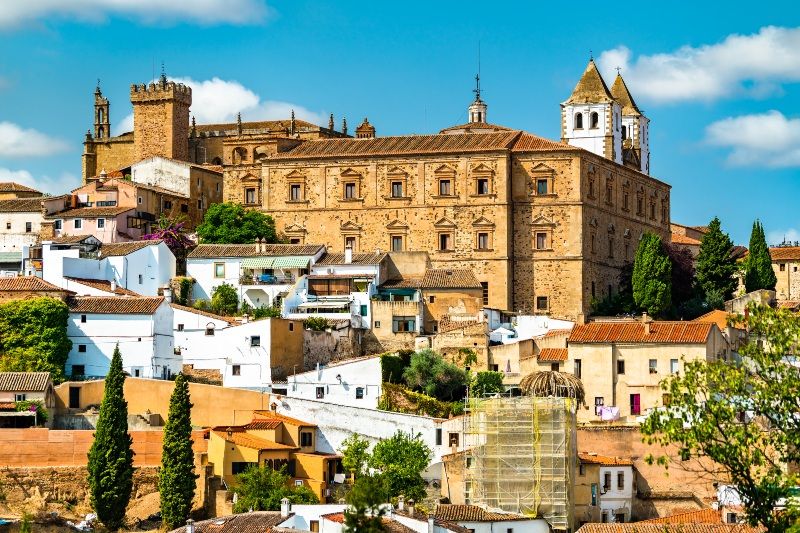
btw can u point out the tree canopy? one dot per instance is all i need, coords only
(230, 223)
(758, 272)
(743, 416)
(430, 373)
(365, 514)
(260, 488)
(33, 336)
(355, 454)
(400, 460)
(716, 266)
(224, 299)
(652, 276)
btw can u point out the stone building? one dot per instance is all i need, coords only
(785, 263)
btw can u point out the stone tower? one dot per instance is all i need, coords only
(365, 130)
(634, 130)
(161, 119)
(591, 117)
(102, 122)
(477, 109)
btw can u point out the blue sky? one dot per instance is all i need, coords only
(721, 86)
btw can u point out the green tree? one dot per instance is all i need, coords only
(365, 514)
(355, 455)
(224, 300)
(487, 383)
(230, 223)
(652, 276)
(176, 480)
(33, 336)
(430, 373)
(715, 264)
(758, 273)
(110, 463)
(262, 489)
(401, 460)
(743, 416)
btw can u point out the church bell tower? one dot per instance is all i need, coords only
(102, 122)
(477, 109)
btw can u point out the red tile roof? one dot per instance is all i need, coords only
(677, 238)
(634, 332)
(446, 278)
(11, 186)
(553, 354)
(527, 142)
(240, 438)
(479, 127)
(116, 249)
(24, 381)
(267, 415)
(229, 319)
(142, 305)
(70, 239)
(718, 317)
(90, 212)
(358, 259)
(249, 250)
(21, 205)
(595, 459)
(702, 516)
(253, 522)
(785, 253)
(557, 332)
(334, 517)
(102, 285)
(639, 527)
(27, 283)
(472, 513)
(263, 424)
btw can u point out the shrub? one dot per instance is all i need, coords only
(488, 383)
(392, 367)
(401, 400)
(224, 300)
(185, 291)
(26, 405)
(431, 374)
(316, 323)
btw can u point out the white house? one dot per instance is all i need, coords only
(142, 267)
(615, 485)
(20, 223)
(261, 273)
(479, 520)
(246, 355)
(140, 326)
(356, 382)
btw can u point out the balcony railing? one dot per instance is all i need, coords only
(266, 279)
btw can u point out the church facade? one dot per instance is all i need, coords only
(544, 225)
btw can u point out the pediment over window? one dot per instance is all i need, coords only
(483, 222)
(445, 222)
(542, 220)
(396, 171)
(250, 178)
(294, 228)
(445, 169)
(396, 224)
(296, 174)
(541, 168)
(483, 168)
(350, 226)
(350, 173)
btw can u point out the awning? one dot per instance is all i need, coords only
(292, 261)
(258, 262)
(10, 257)
(324, 305)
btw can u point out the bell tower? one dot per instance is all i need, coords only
(161, 119)
(102, 122)
(635, 128)
(477, 109)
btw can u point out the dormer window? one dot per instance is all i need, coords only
(595, 120)
(579, 121)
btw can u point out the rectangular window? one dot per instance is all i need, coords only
(438, 436)
(77, 223)
(219, 270)
(607, 481)
(82, 348)
(236, 370)
(295, 192)
(377, 324)
(180, 327)
(141, 279)
(200, 203)
(541, 186)
(625, 201)
(56, 225)
(452, 439)
(320, 393)
(397, 189)
(673, 366)
(485, 292)
(255, 341)
(8, 225)
(581, 469)
(78, 370)
(359, 393)
(555, 367)
(306, 438)
(397, 243)
(431, 299)
(74, 397)
(237, 467)
(620, 480)
(140, 200)
(19, 397)
(783, 267)
(483, 186)
(444, 188)
(83, 319)
(619, 518)
(541, 303)
(620, 366)
(350, 242)
(184, 208)
(636, 404)
(483, 241)
(28, 227)
(598, 404)
(167, 204)
(101, 223)
(404, 324)
(349, 191)
(363, 310)
(611, 247)
(445, 241)
(604, 516)
(250, 196)
(314, 526)
(291, 326)
(209, 331)
(541, 241)
(653, 364)
(577, 369)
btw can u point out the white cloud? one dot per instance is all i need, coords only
(206, 12)
(753, 65)
(59, 185)
(19, 142)
(769, 139)
(780, 236)
(218, 101)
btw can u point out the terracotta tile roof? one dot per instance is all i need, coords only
(254, 522)
(402, 283)
(240, 438)
(678, 238)
(358, 259)
(263, 424)
(229, 319)
(789, 304)
(393, 526)
(249, 250)
(702, 516)
(271, 125)
(24, 381)
(10, 186)
(334, 517)
(116, 305)
(27, 283)
(556, 332)
(445, 278)
(89, 212)
(785, 253)
(271, 415)
(117, 249)
(553, 354)
(480, 127)
(402, 145)
(639, 527)
(634, 332)
(591, 89)
(620, 92)
(527, 142)
(8, 406)
(472, 513)
(70, 239)
(21, 205)
(595, 459)
(103, 285)
(718, 317)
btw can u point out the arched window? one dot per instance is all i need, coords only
(595, 120)
(239, 155)
(100, 115)
(579, 121)
(624, 133)
(101, 133)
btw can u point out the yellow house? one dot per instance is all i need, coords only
(275, 441)
(621, 364)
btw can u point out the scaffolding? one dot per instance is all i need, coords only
(520, 456)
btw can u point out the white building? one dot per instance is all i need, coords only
(356, 382)
(261, 273)
(140, 326)
(246, 355)
(20, 223)
(142, 267)
(615, 486)
(479, 520)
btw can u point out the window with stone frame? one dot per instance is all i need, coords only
(295, 192)
(542, 180)
(482, 240)
(578, 121)
(397, 189)
(250, 196)
(594, 120)
(350, 241)
(541, 186)
(664, 210)
(542, 303)
(591, 188)
(625, 196)
(482, 186)
(610, 191)
(542, 240)
(445, 187)
(640, 203)
(610, 247)
(397, 183)
(445, 241)
(652, 208)
(591, 243)
(350, 190)
(396, 243)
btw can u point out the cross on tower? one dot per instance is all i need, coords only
(477, 89)
(618, 69)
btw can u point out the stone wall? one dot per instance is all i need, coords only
(203, 375)
(161, 120)
(323, 347)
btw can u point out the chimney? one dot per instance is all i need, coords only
(190, 526)
(245, 318)
(114, 286)
(286, 507)
(167, 293)
(348, 254)
(401, 503)
(411, 507)
(646, 320)
(431, 524)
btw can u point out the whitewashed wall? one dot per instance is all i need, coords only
(363, 373)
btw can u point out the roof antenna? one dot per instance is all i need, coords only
(477, 89)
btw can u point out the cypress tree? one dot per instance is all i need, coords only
(176, 481)
(758, 266)
(715, 265)
(652, 276)
(111, 457)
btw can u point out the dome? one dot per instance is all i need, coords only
(557, 384)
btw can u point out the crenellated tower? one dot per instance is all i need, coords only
(102, 121)
(161, 119)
